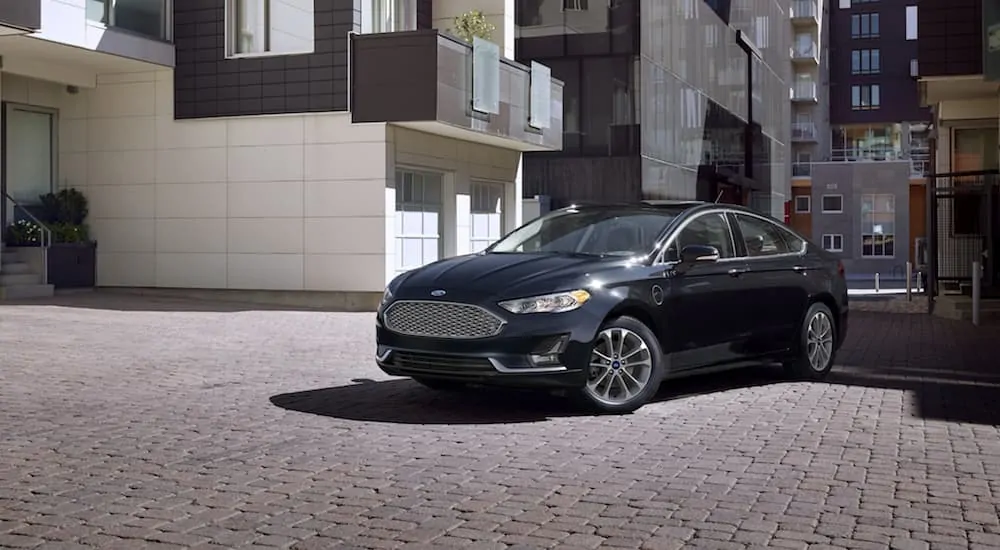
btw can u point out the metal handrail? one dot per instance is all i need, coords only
(45, 236)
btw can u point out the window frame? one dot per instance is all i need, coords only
(833, 237)
(485, 184)
(863, 218)
(866, 97)
(861, 21)
(807, 209)
(822, 203)
(574, 5)
(399, 205)
(783, 232)
(874, 61)
(109, 16)
(231, 24)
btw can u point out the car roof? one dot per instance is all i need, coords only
(655, 205)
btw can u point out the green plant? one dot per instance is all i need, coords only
(68, 206)
(24, 233)
(69, 233)
(473, 24)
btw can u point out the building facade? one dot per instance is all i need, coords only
(299, 150)
(678, 100)
(857, 187)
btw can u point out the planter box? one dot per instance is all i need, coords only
(71, 265)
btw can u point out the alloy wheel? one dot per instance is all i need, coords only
(819, 341)
(621, 366)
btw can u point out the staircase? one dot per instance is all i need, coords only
(18, 279)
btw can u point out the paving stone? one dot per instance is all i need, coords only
(138, 423)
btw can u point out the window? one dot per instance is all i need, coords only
(833, 243)
(707, 229)
(574, 5)
(418, 219)
(487, 215)
(878, 225)
(866, 62)
(864, 25)
(32, 150)
(146, 17)
(586, 231)
(763, 238)
(866, 97)
(803, 203)
(911, 22)
(833, 204)
(275, 27)
(388, 16)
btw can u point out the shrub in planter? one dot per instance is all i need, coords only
(72, 255)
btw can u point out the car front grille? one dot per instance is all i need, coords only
(433, 363)
(441, 320)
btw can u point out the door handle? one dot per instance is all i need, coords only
(800, 269)
(737, 271)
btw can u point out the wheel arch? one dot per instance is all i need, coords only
(829, 301)
(640, 312)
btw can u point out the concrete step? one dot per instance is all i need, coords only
(15, 268)
(25, 292)
(10, 256)
(16, 279)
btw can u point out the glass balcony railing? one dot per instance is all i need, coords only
(801, 169)
(805, 9)
(804, 91)
(150, 18)
(804, 50)
(804, 131)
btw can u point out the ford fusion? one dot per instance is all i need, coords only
(609, 301)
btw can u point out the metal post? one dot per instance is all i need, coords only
(876, 283)
(976, 290)
(909, 281)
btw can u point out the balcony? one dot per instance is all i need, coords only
(804, 92)
(424, 80)
(805, 13)
(805, 51)
(861, 154)
(20, 15)
(804, 131)
(801, 169)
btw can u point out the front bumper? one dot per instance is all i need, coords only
(513, 358)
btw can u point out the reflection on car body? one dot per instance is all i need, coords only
(609, 301)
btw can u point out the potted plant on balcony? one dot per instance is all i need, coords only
(72, 255)
(473, 24)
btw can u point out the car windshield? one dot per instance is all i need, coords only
(598, 232)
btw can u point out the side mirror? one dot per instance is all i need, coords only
(699, 254)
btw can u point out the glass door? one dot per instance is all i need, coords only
(29, 158)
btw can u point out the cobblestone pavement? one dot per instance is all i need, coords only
(153, 424)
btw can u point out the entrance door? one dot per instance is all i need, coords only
(487, 215)
(29, 157)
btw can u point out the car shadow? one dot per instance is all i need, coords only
(403, 401)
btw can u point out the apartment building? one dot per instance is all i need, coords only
(285, 150)
(663, 100)
(959, 70)
(859, 137)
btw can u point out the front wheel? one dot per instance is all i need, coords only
(626, 367)
(817, 345)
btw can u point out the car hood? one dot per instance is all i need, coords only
(503, 275)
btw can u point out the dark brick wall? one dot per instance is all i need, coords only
(898, 91)
(951, 37)
(24, 14)
(206, 84)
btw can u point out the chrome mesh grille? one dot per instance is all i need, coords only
(441, 320)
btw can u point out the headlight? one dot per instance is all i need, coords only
(386, 296)
(549, 303)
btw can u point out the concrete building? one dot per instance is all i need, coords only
(683, 99)
(287, 150)
(860, 140)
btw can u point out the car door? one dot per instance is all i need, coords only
(775, 281)
(705, 305)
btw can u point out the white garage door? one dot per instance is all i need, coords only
(418, 219)
(487, 214)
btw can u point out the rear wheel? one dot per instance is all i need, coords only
(817, 345)
(626, 367)
(439, 385)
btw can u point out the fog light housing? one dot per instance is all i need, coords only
(547, 352)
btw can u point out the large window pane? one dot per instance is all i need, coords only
(270, 26)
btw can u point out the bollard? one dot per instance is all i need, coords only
(976, 290)
(876, 283)
(909, 281)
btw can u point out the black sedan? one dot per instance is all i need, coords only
(608, 301)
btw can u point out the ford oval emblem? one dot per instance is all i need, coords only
(438, 293)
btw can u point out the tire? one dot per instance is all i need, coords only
(439, 385)
(815, 343)
(641, 372)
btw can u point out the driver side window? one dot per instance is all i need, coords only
(707, 229)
